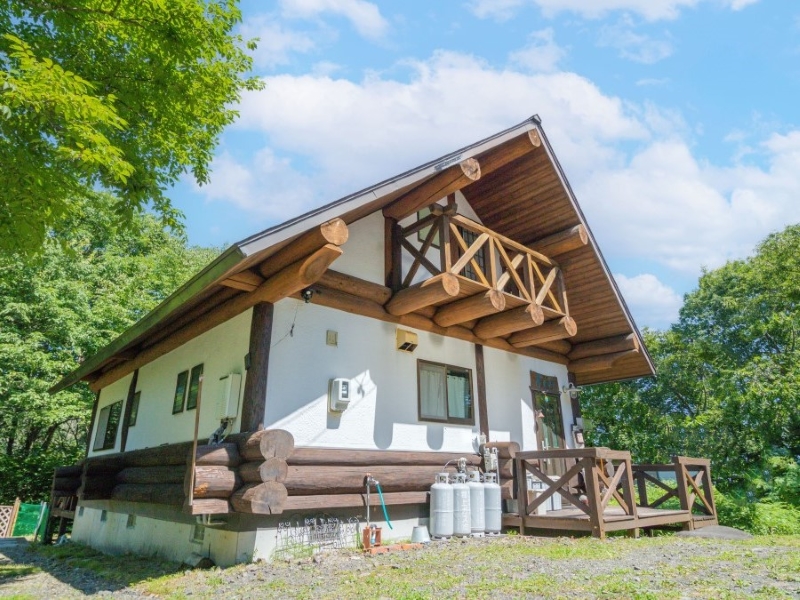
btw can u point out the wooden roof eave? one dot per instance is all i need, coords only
(257, 248)
(596, 249)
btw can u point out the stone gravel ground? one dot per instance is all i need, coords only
(506, 567)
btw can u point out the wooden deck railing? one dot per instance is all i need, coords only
(688, 481)
(606, 474)
(470, 250)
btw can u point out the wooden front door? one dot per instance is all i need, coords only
(548, 418)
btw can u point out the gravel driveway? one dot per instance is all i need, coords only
(505, 567)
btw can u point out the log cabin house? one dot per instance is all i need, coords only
(387, 333)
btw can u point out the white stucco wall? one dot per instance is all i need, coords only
(364, 250)
(509, 398)
(383, 410)
(220, 350)
(383, 407)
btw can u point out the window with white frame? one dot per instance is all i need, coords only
(107, 425)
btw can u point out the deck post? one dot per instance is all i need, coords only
(595, 499)
(522, 492)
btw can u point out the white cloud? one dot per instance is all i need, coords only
(648, 199)
(652, 303)
(364, 16)
(651, 10)
(667, 207)
(355, 133)
(632, 45)
(268, 187)
(542, 54)
(276, 43)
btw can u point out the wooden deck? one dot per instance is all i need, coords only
(604, 492)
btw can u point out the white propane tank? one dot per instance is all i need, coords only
(493, 504)
(441, 507)
(462, 518)
(476, 504)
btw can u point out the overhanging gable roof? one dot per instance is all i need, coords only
(527, 199)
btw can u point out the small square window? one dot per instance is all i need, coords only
(195, 386)
(107, 425)
(134, 409)
(445, 393)
(131, 523)
(180, 392)
(198, 533)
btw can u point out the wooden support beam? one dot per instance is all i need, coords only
(156, 474)
(562, 242)
(312, 480)
(356, 286)
(361, 306)
(470, 308)
(247, 281)
(327, 502)
(440, 287)
(152, 493)
(286, 282)
(264, 444)
(559, 346)
(333, 232)
(272, 469)
(92, 419)
(552, 330)
(254, 399)
(213, 482)
(438, 186)
(483, 409)
(307, 455)
(600, 362)
(618, 343)
(504, 323)
(509, 151)
(260, 498)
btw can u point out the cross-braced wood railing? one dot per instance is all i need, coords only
(605, 474)
(688, 482)
(468, 249)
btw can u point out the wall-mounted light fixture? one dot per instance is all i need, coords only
(572, 390)
(407, 341)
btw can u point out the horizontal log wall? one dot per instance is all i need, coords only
(262, 473)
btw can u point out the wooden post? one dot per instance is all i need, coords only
(394, 254)
(91, 423)
(190, 494)
(255, 383)
(483, 409)
(595, 498)
(126, 417)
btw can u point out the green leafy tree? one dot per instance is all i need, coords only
(61, 306)
(104, 94)
(728, 384)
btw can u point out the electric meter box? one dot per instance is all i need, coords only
(228, 403)
(338, 395)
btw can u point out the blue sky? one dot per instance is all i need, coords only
(676, 121)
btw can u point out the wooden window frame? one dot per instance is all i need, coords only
(178, 408)
(134, 409)
(196, 380)
(102, 427)
(448, 419)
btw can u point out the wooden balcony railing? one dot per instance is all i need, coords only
(687, 482)
(470, 250)
(496, 286)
